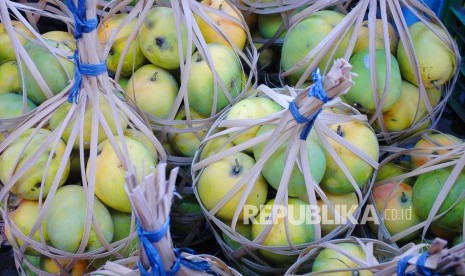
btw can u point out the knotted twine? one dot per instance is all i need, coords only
(147, 238)
(82, 25)
(317, 91)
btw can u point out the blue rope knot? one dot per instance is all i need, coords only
(81, 23)
(420, 266)
(147, 238)
(83, 69)
(317, 91)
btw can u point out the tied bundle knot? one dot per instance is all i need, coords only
(317, 91)
(82, 25)
(420, 266)
(147, 238)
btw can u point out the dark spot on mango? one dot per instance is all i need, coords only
(339, 131)
(149, 24)
(160, 42)
(198, 58)
(37, 185)
(112, 52)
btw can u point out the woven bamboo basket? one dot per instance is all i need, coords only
(152, 198)
(432, 158)
(236, 191)
(375, 35)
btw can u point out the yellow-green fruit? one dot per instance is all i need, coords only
(268, 24)
(215, 146)
(435, 58)
(123, 82)
(426, 149)
(11, 105)
(34, 261)
(158, 38)
(408, 110)
(245, 230)
(66, 220)
(24, 217)
(220, 177)
(57, 266)
(110, 173)
(360, 136)
(122, 225)
(345, 205)
(305, 36)
(233, 31)
(56, 71)
(299, 229)
(330, 259)
(273, 169)
(63, 37)
(134, 57)
(363, 38)
(361, 94)
(426, 189)
(22, 33)
(251, 108)
(154, 90)
(392, 169)
(9, 79)
(141, 137)
(186, 143)
(104, 107)
(201, 86)
(30, 183)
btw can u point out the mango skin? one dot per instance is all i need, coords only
(158, 39)
(361, 94)
(11, 105)
(9, 78)
(201, 86)
(425, 191)
(24, 217)
(29, 184)
(110, 173)
(54, 71)
(60, 115)
(65, 220)
(273, 168)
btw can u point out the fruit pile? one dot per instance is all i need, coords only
(399, 84)
(418, 189)
(266, 166)
(173, 68)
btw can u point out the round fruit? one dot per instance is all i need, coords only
(427, 188)
(29, 185)
(66, 220)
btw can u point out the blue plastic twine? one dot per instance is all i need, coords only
(420, 266)
(317, 91)
(82, 25)
(147, 238)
